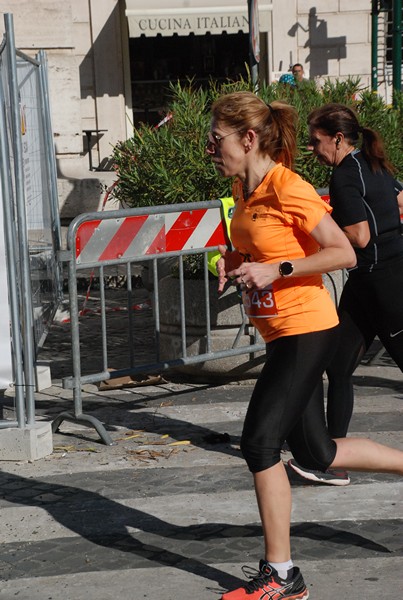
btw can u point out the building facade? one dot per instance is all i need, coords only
(111, 61)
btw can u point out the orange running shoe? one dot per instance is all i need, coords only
(265, 584)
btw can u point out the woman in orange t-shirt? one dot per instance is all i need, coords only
(284, 239)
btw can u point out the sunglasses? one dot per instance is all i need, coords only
(214, 140)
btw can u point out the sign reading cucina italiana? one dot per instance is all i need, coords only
(183, 25)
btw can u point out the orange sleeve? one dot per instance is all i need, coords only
(301, 204)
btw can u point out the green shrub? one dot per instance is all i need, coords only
(169, 165)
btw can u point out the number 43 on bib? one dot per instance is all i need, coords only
(259, 304)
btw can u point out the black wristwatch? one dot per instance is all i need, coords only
(286, 268)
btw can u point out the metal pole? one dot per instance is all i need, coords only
(374, 45)
(397, 49)
(26, 296)
(253, 41)
(10, 233)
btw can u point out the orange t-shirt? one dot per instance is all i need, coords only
(274, 224)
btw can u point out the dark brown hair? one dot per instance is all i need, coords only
(275, 124)
(333, 118)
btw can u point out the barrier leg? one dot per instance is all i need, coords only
(87, 421)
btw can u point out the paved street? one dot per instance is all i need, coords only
(169, 510)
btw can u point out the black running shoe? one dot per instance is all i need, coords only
(331, 476)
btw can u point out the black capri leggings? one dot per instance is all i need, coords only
(287, 403)
(371, 304)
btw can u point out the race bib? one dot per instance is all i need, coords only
(259, 304)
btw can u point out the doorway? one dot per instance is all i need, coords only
(157, 61)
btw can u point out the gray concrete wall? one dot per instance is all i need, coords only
(84, 45)
(331, 38)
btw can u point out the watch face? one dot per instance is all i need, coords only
(286, 268)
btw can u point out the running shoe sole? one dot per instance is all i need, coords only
(317, 476)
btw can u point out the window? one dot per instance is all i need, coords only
(386, 6)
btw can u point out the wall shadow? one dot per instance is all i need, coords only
(98, 75)
(80, 194)
(322, 48)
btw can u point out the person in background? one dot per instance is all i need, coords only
(287, 79)
(298, 71)
(278, 227)
(367, 202)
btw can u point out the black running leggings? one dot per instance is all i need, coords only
(371, 305)
(287, 403)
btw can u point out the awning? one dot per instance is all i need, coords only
(182, 21)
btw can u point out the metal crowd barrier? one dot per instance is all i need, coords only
(123, 239)
(28, 190)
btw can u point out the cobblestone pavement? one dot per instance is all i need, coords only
(57, 346)
(169, 511)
